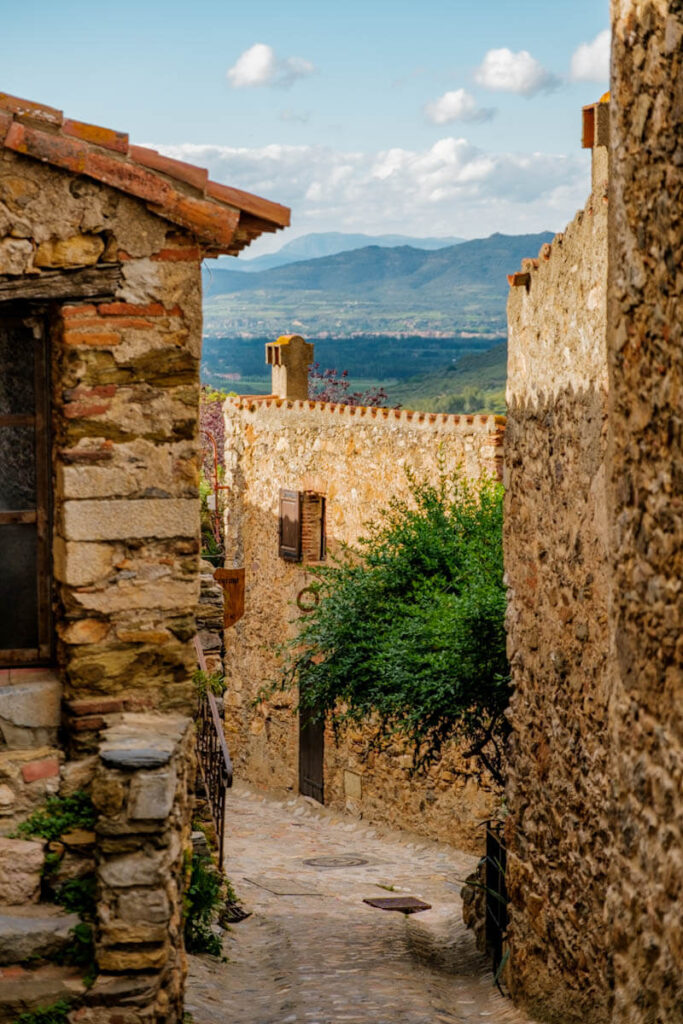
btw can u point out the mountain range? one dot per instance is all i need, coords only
(313, 246)
(373, 290)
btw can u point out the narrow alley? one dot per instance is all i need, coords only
(314, 953)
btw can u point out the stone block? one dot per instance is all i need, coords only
(107, 794)
(151, 795)
(94, 520)
(76, 251)
(21, 864)
(132, 960)
(24, 938)
(131, 870)
(77, 775)
(144, 906)
(29, 706)
(353, 786)
(79, 565)
(16, 255)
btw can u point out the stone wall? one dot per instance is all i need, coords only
(141, 788)
(357, 458)
(559, 829)
(125, 375)
(645, 341)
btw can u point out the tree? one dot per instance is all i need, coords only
(333, 386)
(408, 632)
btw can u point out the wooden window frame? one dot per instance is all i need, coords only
(36, 320)
(290, 552)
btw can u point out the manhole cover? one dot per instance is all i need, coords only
(406, 904)
(342, 861)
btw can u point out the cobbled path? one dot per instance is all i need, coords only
(326, 957)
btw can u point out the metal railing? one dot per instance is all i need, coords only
(496, 891)
(214, 759)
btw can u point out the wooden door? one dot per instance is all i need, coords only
(311, 756)
(25, 589)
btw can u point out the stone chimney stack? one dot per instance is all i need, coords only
(595, 136)
(290, 356)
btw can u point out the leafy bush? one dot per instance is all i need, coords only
(60, 814)
(409, 629)
(202, 899)
(57, 1013)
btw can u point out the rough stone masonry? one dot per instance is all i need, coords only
(593, 457)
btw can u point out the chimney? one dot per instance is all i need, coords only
(290, 356)
(595, 136)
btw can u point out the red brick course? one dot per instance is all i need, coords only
(35, 770)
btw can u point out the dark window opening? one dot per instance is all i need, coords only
(25, 590)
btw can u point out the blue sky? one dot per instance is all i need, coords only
(425, 117)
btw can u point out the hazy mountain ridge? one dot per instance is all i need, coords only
(313, 246)
(483, 261)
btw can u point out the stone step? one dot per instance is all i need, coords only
(33, 932)
(23, 989)
(30, 708)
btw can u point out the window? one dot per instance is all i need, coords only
(302, 526)
(25, 633)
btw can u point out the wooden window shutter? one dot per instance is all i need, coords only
(290, 525)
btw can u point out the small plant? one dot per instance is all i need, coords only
(77, 895)
(58, 815)
(55, 1014)
(209, 682)
(202, 900)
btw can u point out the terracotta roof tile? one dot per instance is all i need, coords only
(223, 219)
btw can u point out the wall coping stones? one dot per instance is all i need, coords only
(142, 741)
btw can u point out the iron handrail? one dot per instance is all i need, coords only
(215, 763)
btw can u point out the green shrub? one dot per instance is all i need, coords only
(202, 900)
(55, 1014)
(409, 629)
(60, 814)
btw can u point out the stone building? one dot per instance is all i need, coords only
(594, 559)
(304, 478)
(101, 243)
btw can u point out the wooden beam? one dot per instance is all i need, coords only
(99, 282)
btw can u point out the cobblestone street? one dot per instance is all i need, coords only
(313, 953)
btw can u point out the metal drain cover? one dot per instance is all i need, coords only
(406, 904)
(341, 861)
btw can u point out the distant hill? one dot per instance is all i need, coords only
(473, 383)
(373, 290)
(328, 243)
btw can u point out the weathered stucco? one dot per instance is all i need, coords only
(645, 342)
(357, 458)
(556, 564)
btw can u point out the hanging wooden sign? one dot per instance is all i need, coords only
(232, 582)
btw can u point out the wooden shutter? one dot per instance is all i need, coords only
(290, 525)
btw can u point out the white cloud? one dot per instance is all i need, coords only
(505, 71)
(457, 105)
(590, 61)
(451, 187)
(259, 65)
